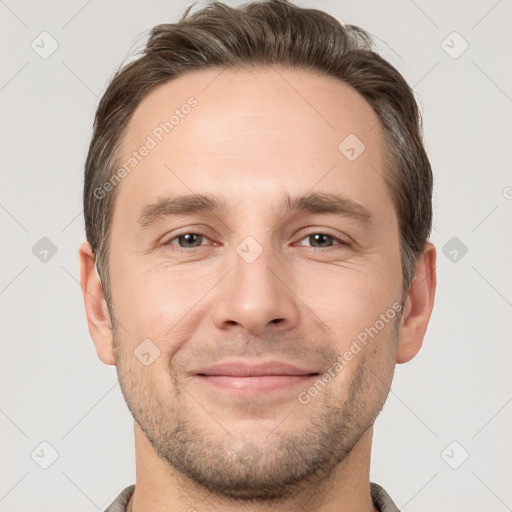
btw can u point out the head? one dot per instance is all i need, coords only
(303, 238)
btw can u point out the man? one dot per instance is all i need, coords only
(258, 206)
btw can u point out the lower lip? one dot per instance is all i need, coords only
(256, 384)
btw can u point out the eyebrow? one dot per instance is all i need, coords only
(312, 203)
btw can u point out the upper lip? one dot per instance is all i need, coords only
(246, 369)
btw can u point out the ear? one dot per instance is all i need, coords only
(418, 305)
(98, 318)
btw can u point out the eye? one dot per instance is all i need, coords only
(192, 240)
(322, 240)
(188, 240)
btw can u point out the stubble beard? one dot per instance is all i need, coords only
(266, 471)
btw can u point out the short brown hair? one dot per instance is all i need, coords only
(266, 33)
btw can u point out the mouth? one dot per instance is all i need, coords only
(243, 378)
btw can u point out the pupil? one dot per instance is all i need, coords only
(190, 238)
(320, 238)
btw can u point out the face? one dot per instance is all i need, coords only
(298, 264)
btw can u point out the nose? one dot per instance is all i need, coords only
(256, 296)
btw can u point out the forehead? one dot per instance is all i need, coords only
(323, 105)
(254, 132)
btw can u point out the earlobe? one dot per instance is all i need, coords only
(98, 317)
(418, 306)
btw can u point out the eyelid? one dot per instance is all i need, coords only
(313, 231)
(188, 231)
(327, 232)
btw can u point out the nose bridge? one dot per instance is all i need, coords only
(253, 297)
(252, 266)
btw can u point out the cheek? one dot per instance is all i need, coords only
(366, 362)
(348, 301)
(160, 304)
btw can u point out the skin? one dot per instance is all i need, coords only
(251, 138)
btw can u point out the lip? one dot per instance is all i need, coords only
(245, 369)
(243, 377)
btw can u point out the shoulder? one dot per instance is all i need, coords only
(119, 504)
(381, 499)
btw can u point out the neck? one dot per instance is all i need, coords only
(159, 487)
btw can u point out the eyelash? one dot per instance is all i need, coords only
(341, 242)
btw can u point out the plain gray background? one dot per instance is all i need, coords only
(453, 400)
